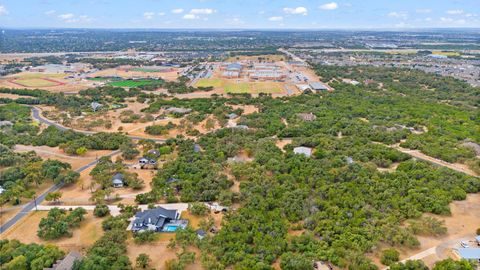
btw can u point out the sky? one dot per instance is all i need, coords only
(244, 14)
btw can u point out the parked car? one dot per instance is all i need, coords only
(464, 244)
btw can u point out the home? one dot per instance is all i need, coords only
(95, 106)
(232, 115)
(201, 234)
(197, 148)
(66, 263)
(307, 116)
(158, 219)
(2, 190)
(306, 151)
(117, 180)
(471, 254)
(147, 162)
(154, 152)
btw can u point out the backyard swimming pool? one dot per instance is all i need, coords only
(171, 228)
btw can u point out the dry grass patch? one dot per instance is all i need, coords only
(25, 230)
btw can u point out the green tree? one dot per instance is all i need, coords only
(18, 263)
(143, 261)
(390, 256)
(101, 210)
(53, 196)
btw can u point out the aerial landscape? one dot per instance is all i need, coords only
(265, 135)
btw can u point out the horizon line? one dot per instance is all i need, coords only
(393, 29)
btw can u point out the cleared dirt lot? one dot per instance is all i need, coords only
(56, 153)
(83, 237)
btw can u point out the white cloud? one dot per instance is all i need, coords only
(425, 10)
(177, 10)
(235, 21)
(452, 21)
(276, 18)
(50, 12)
(400, 15)
(3, 10)
(329, 6)
(203, 11)
(190, 16)
(297, 10)
(71, 18)
(67, 16)
(455, 11)
(148, 15)
(85, 18)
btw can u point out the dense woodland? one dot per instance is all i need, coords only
(341, 206)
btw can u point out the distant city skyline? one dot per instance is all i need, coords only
(240, 14)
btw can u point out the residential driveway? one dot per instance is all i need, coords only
(114, 210)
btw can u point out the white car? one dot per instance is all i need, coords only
(464, 244)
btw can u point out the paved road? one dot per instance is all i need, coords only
(31, 205)
(38, 116)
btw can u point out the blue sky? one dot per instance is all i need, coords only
(240, 13)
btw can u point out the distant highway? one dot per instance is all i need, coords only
(38, 116)
(29, 206)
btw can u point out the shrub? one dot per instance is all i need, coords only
(390, 256)
(198, 209)
(101, 210)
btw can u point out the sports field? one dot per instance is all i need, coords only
(36, 82)
(209, 83)
(229, 86)
(444, 53)
(133, 83)
(254, 87)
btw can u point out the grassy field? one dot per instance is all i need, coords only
(242, 87)
(28, 75)
(132, 83)
(209, 83)
(453, 54)
(98, 79)
(35, 82)
(254, 87)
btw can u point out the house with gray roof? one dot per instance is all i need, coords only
(158, 219)
(117, 180)
(67, 262)
(147, 162)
